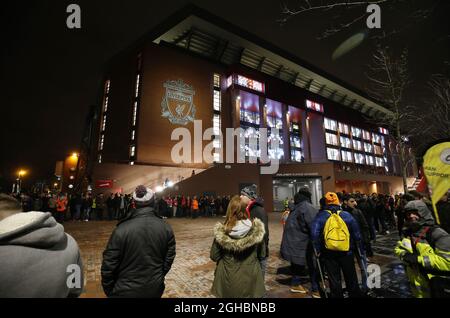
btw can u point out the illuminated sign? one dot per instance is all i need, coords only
(314, 106)
(245, 82)
(178, 102)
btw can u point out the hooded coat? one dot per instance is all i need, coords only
(34, 257)
(297, 230)
(238, 272)
(138, 256)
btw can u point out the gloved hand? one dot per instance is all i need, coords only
(410, 259)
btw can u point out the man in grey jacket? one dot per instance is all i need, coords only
(37, 259)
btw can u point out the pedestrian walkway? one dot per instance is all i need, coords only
(192, 272)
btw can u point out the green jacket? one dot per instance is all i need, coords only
(238, 272)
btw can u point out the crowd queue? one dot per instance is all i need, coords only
(327, 242)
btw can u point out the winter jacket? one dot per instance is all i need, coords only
(35, 255)
(443, 209)
(238, 272)
(431, 244)
(256, 209)
(319, 224)
(296, 234)
(362, 223)
(138, 256)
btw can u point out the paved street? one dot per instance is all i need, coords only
(192, 272)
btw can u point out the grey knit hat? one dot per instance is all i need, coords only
(250, 192)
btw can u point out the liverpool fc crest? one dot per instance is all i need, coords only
(178, 102)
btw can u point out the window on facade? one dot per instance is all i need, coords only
(105, 107)
(376, 138)
(296, 155)
(333, 154)
(331, 139)
(314, 106)
(366, 135)
(347, 156)
(216, 157)
(379, 162)
(356, 132)
(250, 117)
(132, 150)
(296, 141)
(378, 150)
(134, 113)
(251, 133)
(133, 134)
(138, 78)
(359, 158)
(216, 124)
(100, 158)
(370, 160)
(274, 122)
(216, 81)
(102, 141)
(346, 142)
(343, 129)
(368, 147)
(104, 122)
(383, 131)
(357, 145)
(216, 100)
(330, 124)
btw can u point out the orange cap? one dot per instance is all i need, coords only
(331, 198)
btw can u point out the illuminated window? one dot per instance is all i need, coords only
(100, 158)
(217, 100)
(133, 134)
(138, 78)
(131, 163)
(216, 124)
(296, 141)
(331, 139)
(343, 129)
(347, 156)
(314, 106)
(134, 113)
(296, 155)
(370, 160)
(274, 122)
(216, 157)
(345, 142)
(132, 151)
(376, 138)
(330, 124)
(383, 131)
(216, 81)
(357, 145)
(359, 158)
(378, 150)
(105, 107)
(104, 122)
(333, 154)
(356, 132)
(102, 141)
(229, 81)
(250, 117)
(368, 147)
(366, 135)
(379, 162)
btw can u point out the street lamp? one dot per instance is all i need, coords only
(20, 173)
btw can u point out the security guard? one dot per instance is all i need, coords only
(426, 252)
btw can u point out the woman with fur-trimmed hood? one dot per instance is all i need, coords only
(237, 248)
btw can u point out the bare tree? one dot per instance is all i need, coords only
(388, 79)
(434, 123)
(348, 13)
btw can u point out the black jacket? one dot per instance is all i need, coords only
(257, 211)
(362, 223)
(139, 254)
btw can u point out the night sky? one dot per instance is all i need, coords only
(51, 74)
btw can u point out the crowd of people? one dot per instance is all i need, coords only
(323, 242)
